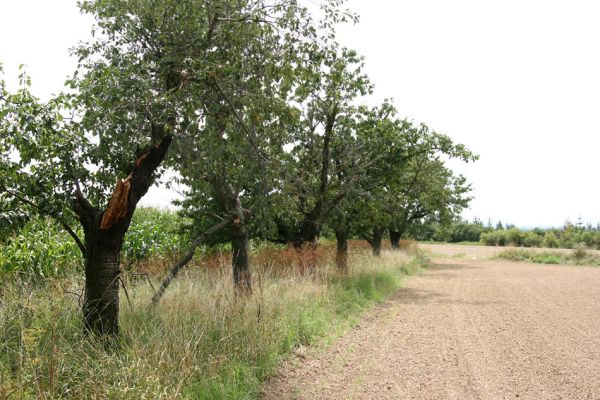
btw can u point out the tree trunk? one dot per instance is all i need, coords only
(104, 234)
(240, 259)
(306, 245)
(341, 257)
(376, 240)
(395, 236)
(309, 233)
(187, 258)
(102, 274)
(229, 202)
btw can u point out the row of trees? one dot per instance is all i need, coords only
(255, 106)
(459, 230)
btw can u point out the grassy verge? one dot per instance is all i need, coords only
(576, 257)
(201, 342)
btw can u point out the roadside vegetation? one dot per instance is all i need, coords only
(201, 341)
(580, 255)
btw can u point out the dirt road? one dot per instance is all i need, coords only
(467, 328)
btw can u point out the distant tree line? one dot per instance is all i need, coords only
(568, 236)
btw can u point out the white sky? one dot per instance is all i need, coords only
(518, 81)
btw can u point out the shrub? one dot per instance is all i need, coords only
(488, 238)
(550, 240)
(580, 251)
(532, 239)
(494, 238)
(515, 237)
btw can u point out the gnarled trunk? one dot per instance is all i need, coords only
(341, 256)
(229, 202)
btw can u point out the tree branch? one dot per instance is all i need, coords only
(62, 221)
(74, 236)
(187, 258)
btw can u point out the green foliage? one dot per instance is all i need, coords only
(578, 257)
(515, 237)
(550, 240)
(568, 237)
(494, 238)
(458, 231)
(154, 234)
(532, 239)
(42, 249)
(408, 182)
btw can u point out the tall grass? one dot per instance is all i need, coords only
(200, 342)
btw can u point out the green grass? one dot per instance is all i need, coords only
(576, 257)
(200, 342)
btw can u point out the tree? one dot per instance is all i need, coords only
(433, 194)
(326, 156)
(45, 168)
(230, 158)
(409, 181)
(133, 91)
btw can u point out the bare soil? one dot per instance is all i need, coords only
(466, 328)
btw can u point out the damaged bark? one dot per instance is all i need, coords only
(104, 235)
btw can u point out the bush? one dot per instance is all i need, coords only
(550, 240)
(580, 251)
(515, 237)
(494, 238)
(532, 239)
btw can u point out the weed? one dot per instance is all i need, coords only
(580, 251)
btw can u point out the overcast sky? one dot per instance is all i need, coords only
(518, 81)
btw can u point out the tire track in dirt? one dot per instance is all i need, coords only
(465, 329)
